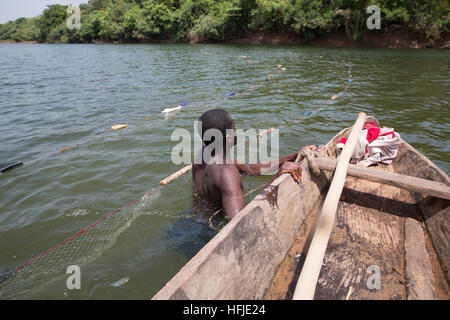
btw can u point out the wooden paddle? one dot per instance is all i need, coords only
(307, 281)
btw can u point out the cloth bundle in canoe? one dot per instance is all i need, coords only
(375, 145)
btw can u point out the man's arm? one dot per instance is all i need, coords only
(229, 183)
(255, 169)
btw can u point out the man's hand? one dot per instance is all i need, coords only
(294, 168)
(311, 147)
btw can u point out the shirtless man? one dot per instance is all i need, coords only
(219, 181)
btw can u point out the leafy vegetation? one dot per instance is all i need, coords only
(209, 20)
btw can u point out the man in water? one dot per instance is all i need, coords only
(218, 180)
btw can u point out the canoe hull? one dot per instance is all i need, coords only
(381, 229)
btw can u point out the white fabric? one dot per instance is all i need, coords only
(383, 149)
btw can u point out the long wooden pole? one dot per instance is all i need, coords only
(432, 188)
(307, 281)
(175, 175)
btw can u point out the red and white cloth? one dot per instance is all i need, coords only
(374, 145)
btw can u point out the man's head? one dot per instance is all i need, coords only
(217, 119)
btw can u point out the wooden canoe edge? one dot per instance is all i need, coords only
(241, 260)
(435, 211)
(419, 273)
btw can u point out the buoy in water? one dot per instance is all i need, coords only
(64, 149)
(119, 126)
(169, 110)
(120, 282)
(334, 97)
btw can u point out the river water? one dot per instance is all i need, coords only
(57, 96)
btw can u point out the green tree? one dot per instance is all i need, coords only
(26, 29)
(182, 20)
(98, 4)
(203, 20)
(269, 15)
(51, 18)
(157, 20)
(208, 27)
(111, 27)
(90, 26)
(309, 17)
(56, 34)
(132, 21)
(431, 17)
(7, 30)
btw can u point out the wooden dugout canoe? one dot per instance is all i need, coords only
(380, 229)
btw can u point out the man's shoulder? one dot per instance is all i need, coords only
(227, 169)
(221, 172)
(227, 174)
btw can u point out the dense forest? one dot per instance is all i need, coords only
(221, 20)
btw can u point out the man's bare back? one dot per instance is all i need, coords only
(219, 180)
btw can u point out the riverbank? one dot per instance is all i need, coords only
(392, 36)
(23, 41)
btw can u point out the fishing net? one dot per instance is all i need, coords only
(84, 247)
(30, 279)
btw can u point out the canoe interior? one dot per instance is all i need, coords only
(381, 228)
(259, 254)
